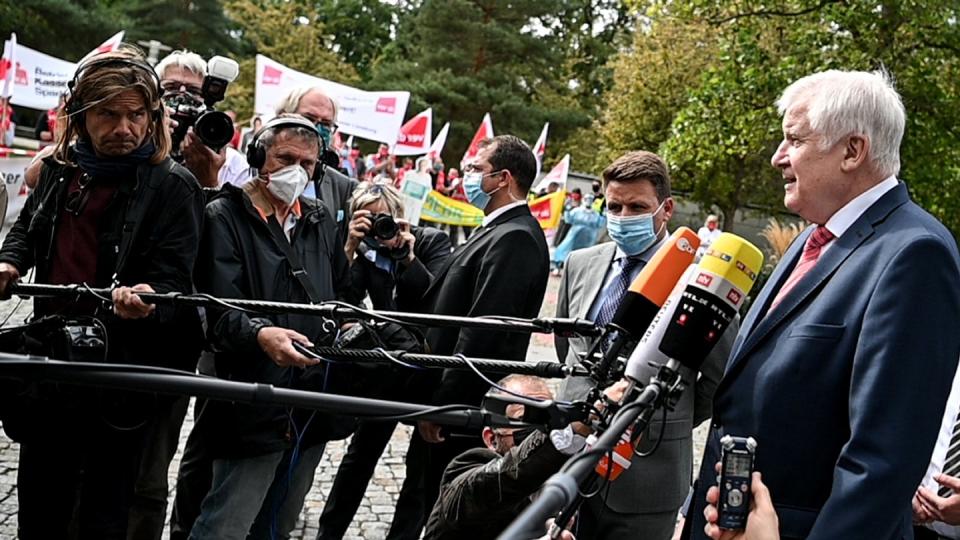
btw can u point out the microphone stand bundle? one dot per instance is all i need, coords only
(34, 369)
(678, 339)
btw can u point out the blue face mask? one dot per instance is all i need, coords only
(633, 234)
(325, 133)
(473, 189)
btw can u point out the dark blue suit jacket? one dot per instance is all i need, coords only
(844, 383)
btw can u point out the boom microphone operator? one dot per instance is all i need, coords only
(644, 299)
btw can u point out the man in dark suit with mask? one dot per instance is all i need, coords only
(502, 270)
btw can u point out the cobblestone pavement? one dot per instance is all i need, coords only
(376, 511)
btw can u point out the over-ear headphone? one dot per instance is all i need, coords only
(257, 154)
(74, 105)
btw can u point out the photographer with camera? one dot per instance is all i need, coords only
(201, 135)
(392, 262)
(110, 210)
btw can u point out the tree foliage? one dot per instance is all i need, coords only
(198, 25)
(80, 25)
(720, 140)
(290, 33)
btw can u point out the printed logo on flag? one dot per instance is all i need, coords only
(20, 77)
(387, 105)
(271, 75)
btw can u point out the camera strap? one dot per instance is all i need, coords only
(280, 239)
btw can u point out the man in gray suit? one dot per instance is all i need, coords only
(643, 501)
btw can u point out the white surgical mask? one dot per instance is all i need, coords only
(288, 183)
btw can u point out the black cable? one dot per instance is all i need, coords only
(656, 445)
(414, 416)
(493, 384)
(221, 302)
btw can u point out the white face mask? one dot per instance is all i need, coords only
(288, 183)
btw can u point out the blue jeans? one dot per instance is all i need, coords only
(247, 492)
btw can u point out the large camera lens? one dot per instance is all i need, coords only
(384, 227)
(214, 128)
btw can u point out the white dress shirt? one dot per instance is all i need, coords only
(843, 218)
(940, 454)
(487, 219)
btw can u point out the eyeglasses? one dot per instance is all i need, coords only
(173, 87)
(77, 200)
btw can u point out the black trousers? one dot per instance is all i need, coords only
(193, 481)
(78, 487)
(353, 476)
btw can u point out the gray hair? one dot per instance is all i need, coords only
(371, 192)
(185, 59)
(841, 103)
(291, 102)
(269, 135)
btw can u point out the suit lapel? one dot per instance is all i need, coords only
(841, 249)
(592, 278)
(477, 235)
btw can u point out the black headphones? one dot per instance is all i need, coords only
(257, 154)
(74, 105)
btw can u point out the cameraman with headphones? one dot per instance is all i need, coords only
(110, 210)
(265, 241)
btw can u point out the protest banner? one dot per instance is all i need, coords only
(414, 137)
(540, 149)
(557, 175)
(416, 188)
(376, 116)
(437, 147)
(441, 209)
(11, 172)
(549, 209)
(485, 131)
(38, 78)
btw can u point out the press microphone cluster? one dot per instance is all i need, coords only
(642, 301)
(681, 334)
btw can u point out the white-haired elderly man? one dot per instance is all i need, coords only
(335, 189)
(181, 73)
(842, 368)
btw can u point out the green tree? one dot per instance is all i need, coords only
(79, 25)
(465, 58)
(359, 30)
(198, 25)
(290, 33)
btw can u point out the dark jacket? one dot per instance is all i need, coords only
(502, 270)
(482, 492)
(402, 289)
(160, 210)
(239, 259)
(162, 214)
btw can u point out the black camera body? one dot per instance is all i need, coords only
(214, 128)
(383, 226)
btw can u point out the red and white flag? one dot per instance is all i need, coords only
(557, 175)
(8, 66)
(540, 149)
(437, 147)
(485, 131)
(107, 46)
(414, 136)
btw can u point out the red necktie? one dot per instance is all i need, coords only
(811, 252)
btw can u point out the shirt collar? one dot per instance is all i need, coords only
(294, 210)
(488, 219)
(843, 218)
